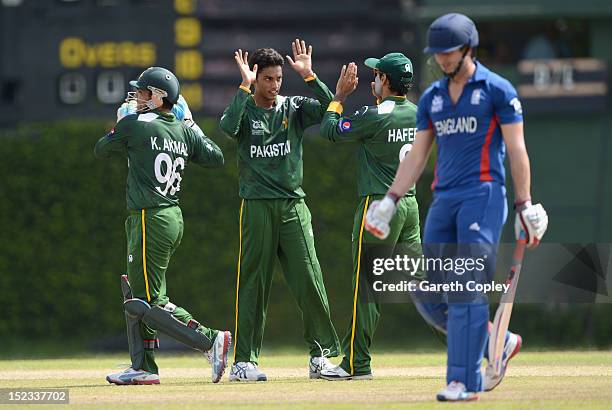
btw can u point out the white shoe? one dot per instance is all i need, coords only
(217, 355)
(131, 377)
(511, 349)
(338, 373)
(317, 364)
(246, 372)
(456, 391)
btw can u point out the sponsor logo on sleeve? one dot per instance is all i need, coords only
(518, 108)
(344, 125)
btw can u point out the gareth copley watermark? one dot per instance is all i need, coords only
(552, 273)
(426, 286)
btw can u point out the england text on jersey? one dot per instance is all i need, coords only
(449, 126)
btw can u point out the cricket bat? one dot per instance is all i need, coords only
(502, 315)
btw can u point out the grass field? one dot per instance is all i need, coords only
(554, 380)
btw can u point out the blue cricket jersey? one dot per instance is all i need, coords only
(470, 146)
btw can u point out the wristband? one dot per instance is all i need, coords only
(393, 197)
(522, 205)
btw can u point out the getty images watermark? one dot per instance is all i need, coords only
(552, 273)
(412, 266)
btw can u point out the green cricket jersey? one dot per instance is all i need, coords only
(270, 140)
(385, 133)
(158, 147)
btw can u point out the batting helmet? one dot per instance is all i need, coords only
(161, 79)
(451, 32)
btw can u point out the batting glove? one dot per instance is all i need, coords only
(531, 219)
(379, 216)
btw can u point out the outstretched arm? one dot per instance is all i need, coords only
(310, 110)
(302, 58)
(334, 126)
(232, 116)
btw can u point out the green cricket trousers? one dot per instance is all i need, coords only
(404, 229)
(152, 237)
(270, 229)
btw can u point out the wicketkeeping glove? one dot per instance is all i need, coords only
(182, 112)
(533, 220)
(126, 109)
(379, 216)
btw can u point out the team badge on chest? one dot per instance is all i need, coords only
(475, 100)
(257, 127)
(436, 104)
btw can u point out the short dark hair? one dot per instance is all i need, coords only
(399, 87)
(266, 57)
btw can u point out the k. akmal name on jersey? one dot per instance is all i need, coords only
(176, 147)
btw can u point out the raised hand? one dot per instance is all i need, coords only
(302, 58)
(347, 82)
(248, 75)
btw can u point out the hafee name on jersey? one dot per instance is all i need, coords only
(280, 149)
(177, 147)
(401, 134)
(449, 126)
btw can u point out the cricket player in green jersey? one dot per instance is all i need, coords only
(384, 134)
(158, 147)
(274, 219)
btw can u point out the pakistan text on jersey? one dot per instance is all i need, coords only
(451, 126)
(401, 134)
(280, 149)
(177, 147)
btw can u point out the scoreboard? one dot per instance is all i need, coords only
(563, 85)
(73, 58)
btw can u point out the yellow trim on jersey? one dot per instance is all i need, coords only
(238, 279)
(356, 295)
(310, 78)
(335, 106)
(144, 255)
(246, 89)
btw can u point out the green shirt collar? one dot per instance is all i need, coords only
(395, 98)
(166, 115)
(254, 104)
